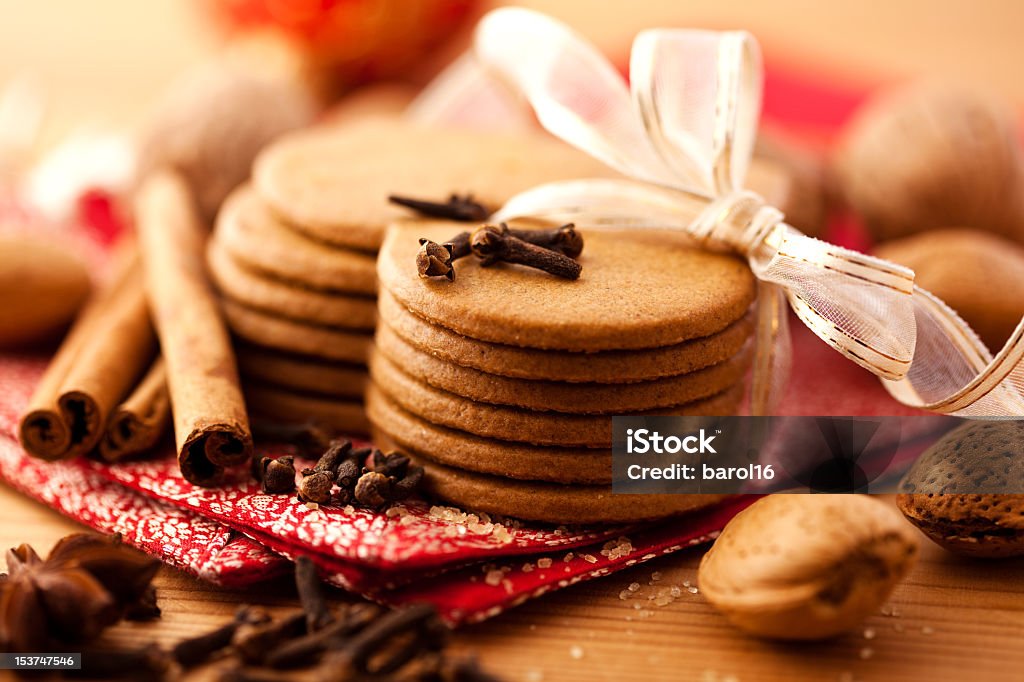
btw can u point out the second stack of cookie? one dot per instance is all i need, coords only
(302, 311)
(293, 254)
(503, 382)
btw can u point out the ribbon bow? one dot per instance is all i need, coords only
(683, 135)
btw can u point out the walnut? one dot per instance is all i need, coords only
(211, 124)
(933, 155)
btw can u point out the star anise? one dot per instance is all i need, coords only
(86, 584)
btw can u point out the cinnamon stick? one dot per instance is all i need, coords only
(211, 427)
(100, 360)
(138, 422)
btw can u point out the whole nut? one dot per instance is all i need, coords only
(42, 287)
(932, 155)
(980, 276)
(951, 492)
(212, 122)
(807, 566)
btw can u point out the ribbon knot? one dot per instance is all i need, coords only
(740, 220)
(682, 134)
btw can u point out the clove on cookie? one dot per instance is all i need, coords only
(457, 208)
(805, 567)
(435, 260)
(564, 239)
(494, 244)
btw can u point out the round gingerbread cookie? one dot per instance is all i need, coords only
(334, 183)
(552, 502)
(638, 290)
(403, 431)
(292, 302)
(526, 426)
(266, 330)
(301, 373)
(255, 236)
(284, 406)
(530, 363)
(554, 396)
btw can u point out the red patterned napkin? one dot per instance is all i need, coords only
(470, 566)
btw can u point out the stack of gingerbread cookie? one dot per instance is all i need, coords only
(302, 311)
(503, 382)
(293, 254)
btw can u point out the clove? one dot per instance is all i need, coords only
(418, 625)
(373, 489)
(459, 208)
(315, 487)
(392, 464)
(564, 239)
(195, 650)
(318, 481)
(337, 451)
(311, 595)
(303, 651)
(408, 484)
(348, 473)
(494, 245)
(435, 260)
(278, 475)
(253, 641)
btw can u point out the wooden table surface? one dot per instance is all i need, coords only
(952, 619)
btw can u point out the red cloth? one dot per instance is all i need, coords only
(236, 536)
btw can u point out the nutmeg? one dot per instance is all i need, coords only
(211, 124)
(807, 566)
(952, 493)
(980, 276)
(42, 287)
(930, 155)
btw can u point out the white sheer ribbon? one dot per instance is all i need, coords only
(683, 135)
